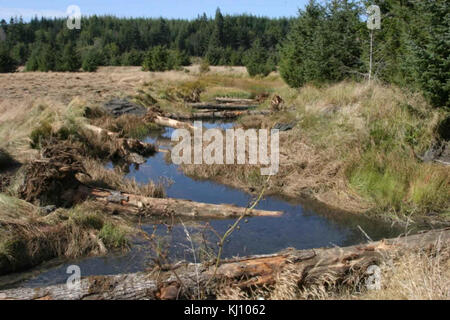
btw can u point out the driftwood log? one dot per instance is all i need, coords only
(216, 114)
(236, 100)
(115, 201)
(184, 279)
(221, 106)
(131, 150)
(172, 123)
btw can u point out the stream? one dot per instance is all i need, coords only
(302, 226)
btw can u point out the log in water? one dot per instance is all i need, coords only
(183, 280)
(134, 204)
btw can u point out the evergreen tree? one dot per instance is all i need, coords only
(42, 58)
(132, 58)
(323, 45)
(70, 60)
(7, 63)
(156, 59)
(92, 58)
(219, 39)
(301, 59)
(216, 52)
(433, 54)
(257, 61)
(19, 53)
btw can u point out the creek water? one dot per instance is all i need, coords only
(301, 226)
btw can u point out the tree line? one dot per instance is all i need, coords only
(328, 41)
(47, 44)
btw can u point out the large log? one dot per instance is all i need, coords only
(184, 279)
(221, 106)
(131, 150)
(235, 100)
(172, 123)
(216, 114)
(135, 204)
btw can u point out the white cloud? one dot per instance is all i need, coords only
(26, 14)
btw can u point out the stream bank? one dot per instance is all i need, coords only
(302, 226)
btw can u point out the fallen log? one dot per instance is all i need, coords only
(172, 123)
(131, 150)
(221, 106)
(235, 100)
(183, 279)
(216, 114)
(134, 204)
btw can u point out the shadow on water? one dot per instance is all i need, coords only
(302, 226)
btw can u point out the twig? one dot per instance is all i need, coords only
(232, 228)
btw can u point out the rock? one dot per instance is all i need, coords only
(118, 107)
(44, 211)
(284, 126)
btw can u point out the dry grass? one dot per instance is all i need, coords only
(130, 126)
(405, 276)
(114, 179)
(413, 276)
(27, 238)
(353, 147)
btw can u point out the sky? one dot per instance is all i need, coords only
(186, 9)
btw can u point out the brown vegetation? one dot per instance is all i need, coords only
(306, 274)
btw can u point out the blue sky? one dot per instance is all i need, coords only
(150, 8)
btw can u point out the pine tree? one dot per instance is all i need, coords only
(70, 60)
(42, 58)
(257, 60)
(301, 60)
(323, 44)
(7, 63)
(91, 60)
(215, 53)
(433, 55)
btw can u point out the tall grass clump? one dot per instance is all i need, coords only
(113, 237)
